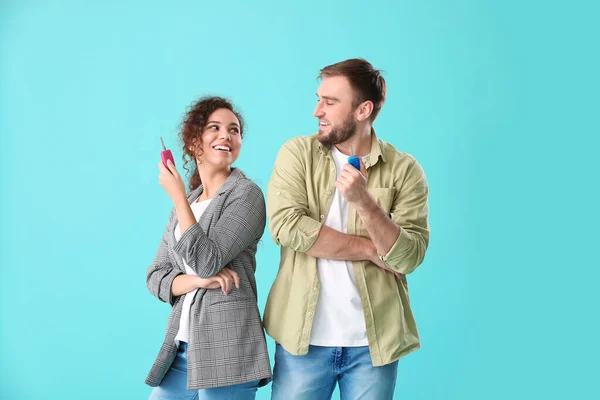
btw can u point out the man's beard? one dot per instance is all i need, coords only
(339, 134)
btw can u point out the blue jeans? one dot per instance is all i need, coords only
(174, 385)
(313, 376)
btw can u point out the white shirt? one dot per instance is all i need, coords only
(198, 209)
(339, 318)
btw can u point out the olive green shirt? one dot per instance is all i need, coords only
(298, 198)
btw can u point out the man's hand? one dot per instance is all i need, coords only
(352, 184)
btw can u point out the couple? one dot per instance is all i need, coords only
(339, 308)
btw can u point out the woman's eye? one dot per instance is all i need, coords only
(234, 130)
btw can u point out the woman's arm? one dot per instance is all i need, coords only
(183, 284)
(240, 225)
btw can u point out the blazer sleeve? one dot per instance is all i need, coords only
(160, 274)
(240, 225)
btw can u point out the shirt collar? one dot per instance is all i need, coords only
(376, 149)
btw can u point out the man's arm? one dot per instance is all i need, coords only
(334, 245)
(382, 230)
(401, 238)
(288, 211)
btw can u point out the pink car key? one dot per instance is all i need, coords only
(166, 155)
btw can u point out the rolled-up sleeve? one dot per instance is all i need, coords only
(290, 223)
(410, 211)
(161, 273)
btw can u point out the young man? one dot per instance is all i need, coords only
(339, 308)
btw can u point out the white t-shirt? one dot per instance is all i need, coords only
(184, 323)
(339, 318)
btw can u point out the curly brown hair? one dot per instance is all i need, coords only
(193, 125)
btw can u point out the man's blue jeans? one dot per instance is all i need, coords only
(314, 376)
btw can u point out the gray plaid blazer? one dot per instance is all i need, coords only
(226, 340)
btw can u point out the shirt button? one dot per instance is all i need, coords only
(329, 192)
(315, 289)
(310, 313)
(332, 169)
(322, 216)
(278, 193)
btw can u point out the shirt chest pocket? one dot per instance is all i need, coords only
(384, 198)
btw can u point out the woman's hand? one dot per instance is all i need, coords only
(225, 280)
(172, 182)
(209, 283)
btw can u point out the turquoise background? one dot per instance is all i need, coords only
(498, 100)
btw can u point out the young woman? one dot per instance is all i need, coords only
(215, 345)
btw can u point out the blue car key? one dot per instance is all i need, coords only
(353, 160)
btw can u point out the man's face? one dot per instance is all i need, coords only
(335, 110)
